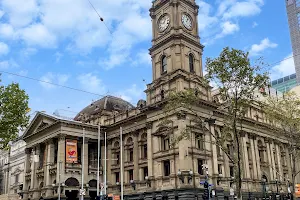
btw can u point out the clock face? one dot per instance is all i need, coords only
(186, 21)
(163, 23)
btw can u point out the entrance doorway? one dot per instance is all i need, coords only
(72, 195)
(93, 195)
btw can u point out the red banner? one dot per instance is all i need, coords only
(71, 151)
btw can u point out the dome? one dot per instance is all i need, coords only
(107, 103)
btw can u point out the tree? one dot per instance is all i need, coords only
(284, 114)
(237, 81)
(13, 110)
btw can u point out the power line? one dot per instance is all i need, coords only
(68, 87)
(101, 19)
(284, 59)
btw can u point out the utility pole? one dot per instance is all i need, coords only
(82, 167)
(105, 160)
(121, 164)
(98, 159)
(59, 174)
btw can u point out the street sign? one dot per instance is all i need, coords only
(82, 192)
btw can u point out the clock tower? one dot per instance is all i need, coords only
(176, 51)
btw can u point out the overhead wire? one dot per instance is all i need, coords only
(51, 83)
(101, 19)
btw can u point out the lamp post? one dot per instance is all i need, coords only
(263, 182)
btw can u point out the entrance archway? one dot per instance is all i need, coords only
(72, 194)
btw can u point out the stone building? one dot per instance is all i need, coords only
(153, 170)
(12, 172)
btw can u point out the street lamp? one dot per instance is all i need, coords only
(263, 182)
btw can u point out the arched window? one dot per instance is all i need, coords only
(163, 64)
(191, 62)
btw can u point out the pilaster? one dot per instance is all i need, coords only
(61, 157)
(36, 193)
(85, 156)
(255, 159)
(26, 168)
(50, 160)
(109, 161)
(149, 148)
(136, 157)
(269, 159)
(272, 149)
(245, 156)
(279, 163)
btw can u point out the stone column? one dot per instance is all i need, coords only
(26, 168)
(110, 160)
(245, 156)
(254, 158)
(214, 154)
(269, 160)
(288, 162)
(32, 171)
(36, 193)
(86, 160)
(50, 160)
(272, 149)
(136, 157)
(279, 163)
(149, 148)
(257, 159)
(61, 157)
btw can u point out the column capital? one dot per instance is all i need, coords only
(149, 125)
(62, 137)
(49, 141)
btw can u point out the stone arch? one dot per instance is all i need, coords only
(93, 183)
(143, 137)
(72, 182)
(129, 141)
(116, 144)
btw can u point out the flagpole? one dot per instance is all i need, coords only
(105, 160)
(98, 161)
(121, 155)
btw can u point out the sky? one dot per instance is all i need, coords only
(64, 42)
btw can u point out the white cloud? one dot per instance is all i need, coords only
(263, 45)
(27, 52)
(244, 9)
(205, 18)
(48, 78)
(132, 94)
(228, 28)
(20, 14)
(38, 34)
(142, 58)
(4, 49)
(284, 68)
(91, 83)
(1, 13)
(6, 31)
(7, 64)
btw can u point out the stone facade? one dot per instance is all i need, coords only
(13, 170)
(150, 166)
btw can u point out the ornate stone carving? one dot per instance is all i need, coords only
(149, 125)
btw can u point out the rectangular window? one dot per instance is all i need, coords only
(145, 170)
(131, 155)
(231, 171)
(166, 168)
(117, 158)
(199, 139)
(249, 153)
(117, 175)
(220, 169)
(200, 169)
(17, 178)
(130, 175)
(145, 151)
(166, 144)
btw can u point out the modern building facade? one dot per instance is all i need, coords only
(152, 169)
(285, 84)
(293, 13)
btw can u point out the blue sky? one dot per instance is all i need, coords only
(64, 42)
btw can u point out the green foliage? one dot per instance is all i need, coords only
(13, 110)
(284, 114)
